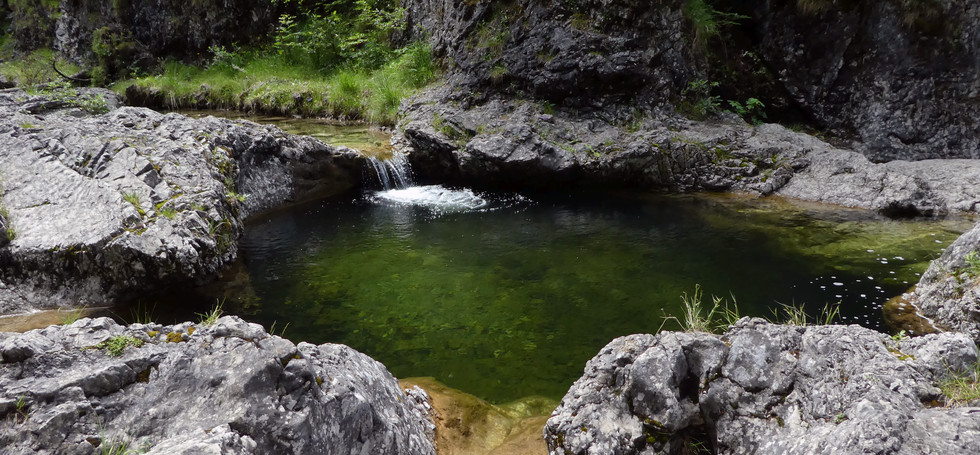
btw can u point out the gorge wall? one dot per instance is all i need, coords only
(893, 79)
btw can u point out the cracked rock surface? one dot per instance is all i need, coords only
(227, 388)
(763, 388)
(105, 206)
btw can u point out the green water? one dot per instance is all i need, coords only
(512, 300)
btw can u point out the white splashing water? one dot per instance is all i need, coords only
(394, 172)
(436, 197)
(395, 176)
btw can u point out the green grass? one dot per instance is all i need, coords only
(797, 315)
(271, 83)
(698, 317)
(116, 345)
(211, 317)
(34, 70)
(961, 388)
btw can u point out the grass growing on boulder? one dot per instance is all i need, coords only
(116, 345)
(792, 314)
(962, 388)
(698, 317)
(209, 318)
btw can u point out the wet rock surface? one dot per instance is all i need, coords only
(105, 206)
(768, 389)
(191, 388)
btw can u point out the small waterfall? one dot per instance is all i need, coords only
(393, 173)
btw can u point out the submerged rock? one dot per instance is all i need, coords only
(768, 389)
(191, 388)
(109, 206)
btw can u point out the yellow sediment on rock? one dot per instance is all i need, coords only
(467, 425)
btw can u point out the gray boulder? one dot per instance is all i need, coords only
(503, 142)
(228, 388)
(109, 206)
(948, 294)
(768, 389)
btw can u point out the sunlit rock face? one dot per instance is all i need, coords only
(107, 206)
(228, 388)
(768, 389)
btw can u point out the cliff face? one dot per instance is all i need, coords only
(901, 78)
(894, 79)
(145, 30)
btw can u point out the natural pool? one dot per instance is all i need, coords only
(508, 295)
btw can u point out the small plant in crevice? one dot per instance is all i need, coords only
(116, 345)
(698, 317)
(70, 317)
(972, 263)
(210, 317)
(961, 388)
(114, 446)
(22, 409)
(134, 198)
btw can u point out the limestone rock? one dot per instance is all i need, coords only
(106, 206)
(768, 389)
(229, 388)
(949, 291)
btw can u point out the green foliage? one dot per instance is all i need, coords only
(699, 102)
(209, 318)
(72, 316)
(133, 198)
(753, 111)
(113, 446)
(22, 408)
(707, 23)
(34, 69)
(972, 263)
(114, 346)
(698, 317)
(339, 32)
(961, 388)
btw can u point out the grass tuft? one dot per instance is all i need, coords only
(961, 388)
(698, 317)
(209, 318)
(116, 345)
(792, 314)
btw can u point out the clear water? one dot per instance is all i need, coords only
(368, 139)
(508, 295)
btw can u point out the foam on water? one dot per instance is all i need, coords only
(435, 197)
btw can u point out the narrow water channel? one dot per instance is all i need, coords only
(508, 295)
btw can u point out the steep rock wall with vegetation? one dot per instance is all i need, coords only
(131, 35)
(893, 79)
